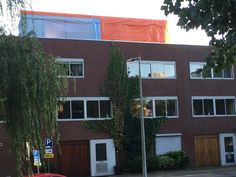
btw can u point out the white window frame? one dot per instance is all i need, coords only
(155, 62)
(69, 61)
(214, 105)
(170, 135)
(84, 99)
(162, 98)
(212, 73)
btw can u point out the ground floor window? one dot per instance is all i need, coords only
(168, 142)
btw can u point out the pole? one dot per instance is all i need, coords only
(144, 164)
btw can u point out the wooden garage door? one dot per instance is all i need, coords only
(207, 150)
(75, 160)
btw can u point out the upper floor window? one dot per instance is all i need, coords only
(74, 67)
(213, 106)
(226, 73)
(157, 107)
(84, 108)
(153, 69)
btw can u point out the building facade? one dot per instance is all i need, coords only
(201, 117)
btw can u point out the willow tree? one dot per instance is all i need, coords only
(29, 88)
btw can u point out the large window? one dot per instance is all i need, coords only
(84, 108)
(168, 142)
(153, 69)
(226, 73)
(213, 106)
(74, 67)
(157, 107)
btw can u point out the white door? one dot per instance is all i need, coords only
(102, 157)
(227, 148)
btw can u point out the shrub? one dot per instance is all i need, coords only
(152, 162)
(133, 165)
(180, 158)
(170, 160)
(166, 162)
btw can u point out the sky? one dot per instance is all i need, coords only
(144, 9)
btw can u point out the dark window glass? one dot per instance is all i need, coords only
(147, 108)
(105, 109)
(197, 107)
(101, 152)
(217, 74)
(76, 69)
(208, 107)
(171, 108)
(227, 73)
(64, 110)
(230, 106)
(77, 109)
(220, 107)
(160, 107)
(208, 74)
(229, 146)
(92, 109)
(229, 158)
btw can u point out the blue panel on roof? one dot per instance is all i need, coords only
(62, 27)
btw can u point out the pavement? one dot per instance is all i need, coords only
(229, 171)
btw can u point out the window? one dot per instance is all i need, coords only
(156, 107)
(84, 108)
(61, 27)
(168, 142)
(226, 73)
(101, 152)
(153, 69)
(213, 106)
(74, 67)
(98, 109)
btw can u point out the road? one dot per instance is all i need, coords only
(200, 172)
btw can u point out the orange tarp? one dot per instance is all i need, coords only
(128, 29)
(124, 29)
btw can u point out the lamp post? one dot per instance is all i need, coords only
(144, 164)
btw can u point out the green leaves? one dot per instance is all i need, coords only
(29, 87)
(217, 18)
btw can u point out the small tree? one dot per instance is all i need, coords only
(124, 126)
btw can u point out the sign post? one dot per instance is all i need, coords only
(48, 150)
(37, 161)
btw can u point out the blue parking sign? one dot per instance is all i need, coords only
(36, 155)
(48, 145)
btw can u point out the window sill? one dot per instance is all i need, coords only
(88, 119)
(72, 77)
(171, 117)
(214, 116)
(154, 78)
(202, 78)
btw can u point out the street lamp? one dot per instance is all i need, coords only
(144, 164)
